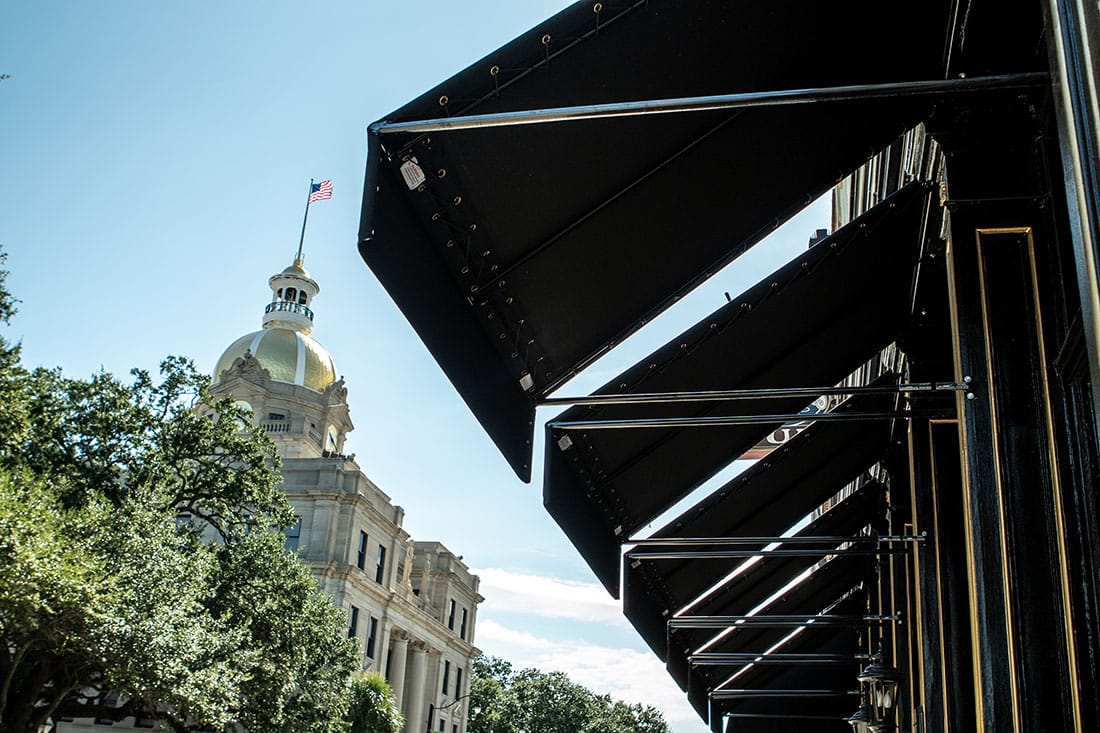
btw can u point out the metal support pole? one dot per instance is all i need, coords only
(778, 552)
(722, 395)
(795, 540)
(717, 101)
(777, 621)
(727, 420)
(711, 659)
(746, 694)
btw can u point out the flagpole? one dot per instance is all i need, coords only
(302, 239)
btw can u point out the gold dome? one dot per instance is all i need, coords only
(290, 356)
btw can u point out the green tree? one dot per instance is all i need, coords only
(373, 708)
(112, 606)
(505, 701)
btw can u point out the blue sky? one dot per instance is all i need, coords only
(154, 161)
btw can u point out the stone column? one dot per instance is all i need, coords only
(414, 707)
(398, 653)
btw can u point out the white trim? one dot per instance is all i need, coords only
(300, 367)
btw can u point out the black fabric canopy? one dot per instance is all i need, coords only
(808, 324)
(654, 592)
(528, 251)
(838, 586)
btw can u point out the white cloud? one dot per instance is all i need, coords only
(550, 597)
(626, 674)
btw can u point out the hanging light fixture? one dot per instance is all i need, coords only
(860, 720)
(882, 682)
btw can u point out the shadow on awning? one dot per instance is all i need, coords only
(525, 252)
(838, 587)
(810, 323)
(764, 501)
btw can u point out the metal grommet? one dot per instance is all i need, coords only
(443, 101)
(597, 7)
(486, 253)
(494, 70)
(442, 172)
(494, 268)
(473, 227)
(435, 216)
(546, 40)
(450, 242)
(465, 270)
(457, 200)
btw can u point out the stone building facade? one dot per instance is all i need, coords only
(411, 605)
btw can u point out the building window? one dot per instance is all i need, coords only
(293, 536)
(451, 615)
(454, 727)
(462, 628)
(276, 416)
(353, 622)
(361, 559)
(458, 681)
(442, 724)
(446, 675)
(380, 570)
(372, 634)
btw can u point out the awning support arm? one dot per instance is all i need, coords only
(778, 621)
(720, 395)
(715, 659)
(727, 420)
(717, 101)
(793, 540)
(743, 694)
(649, 555)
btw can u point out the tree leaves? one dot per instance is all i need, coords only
(505, 701)
(111, 605)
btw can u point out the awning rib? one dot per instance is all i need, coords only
(811, 322)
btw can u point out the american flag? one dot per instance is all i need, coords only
(320, 191)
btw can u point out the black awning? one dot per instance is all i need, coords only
(838, 586)
(840, 678)
(764, 501)
(808, 324)
(649, 609)
(527, 251)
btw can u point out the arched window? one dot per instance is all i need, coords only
(279, 293)
(302, 297)
(291, 294)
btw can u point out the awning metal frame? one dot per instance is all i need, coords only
(776, 98)
(792, 540)
(798, 547)
(780, 621)
(723, 395)
(765, 694)
(723, 659)
(656, 555)
(727, 420)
